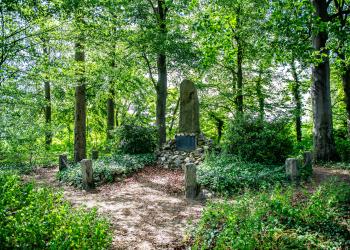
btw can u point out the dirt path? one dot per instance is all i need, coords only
(147, 210)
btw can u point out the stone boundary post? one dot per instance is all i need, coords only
(293, 168)
(191, 185)
(87, 174)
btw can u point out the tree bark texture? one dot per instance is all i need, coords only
(323, 140)
(297, 102)
(346, 87)
(48, 107)
(80, 104)
(161, 87)
(110, 114)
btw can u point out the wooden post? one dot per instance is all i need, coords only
(87, 174)
(293, 168)
(191, 185)
(94, 154)
(62, 162)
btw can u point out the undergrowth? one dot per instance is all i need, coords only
(107, 169)
(281, 219)
(33, 217)
(228, 174)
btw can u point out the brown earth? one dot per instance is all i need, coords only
(147, 210)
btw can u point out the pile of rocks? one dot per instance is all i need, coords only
(169, 157)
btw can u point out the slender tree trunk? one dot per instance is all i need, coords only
(323, 140)
(110, 114)
(239, 77)
(110, 104)
(346, 87)
(174, 115)
(297, 101)
(219, 127)
(261, 98)
(48, 108)
(80, 103)
(117, 117)
(162, 77)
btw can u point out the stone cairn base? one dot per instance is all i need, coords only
(169, 157)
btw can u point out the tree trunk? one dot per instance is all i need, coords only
(174, 114)
(48, 108)
(239, 77)
(80, 104)
(110, 113)
(162, 77)
(117, 117)
(323, 140)
(297, 101)
(261, 98)
(110, 100)
(346, 87)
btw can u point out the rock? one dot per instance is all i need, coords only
(189, 108)
(293, 168)
(177, 163)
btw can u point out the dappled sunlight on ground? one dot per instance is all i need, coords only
(147, 210)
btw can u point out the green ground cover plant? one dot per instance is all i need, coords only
(228, 174)
(108, 169)
(282, 219)
(33, 217)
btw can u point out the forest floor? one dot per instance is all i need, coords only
(148, 209)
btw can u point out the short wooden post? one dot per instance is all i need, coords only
(62, 162)
(293, 168)
(94, 154)
(87, 174)
(191, 185)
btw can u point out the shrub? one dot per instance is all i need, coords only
(266, 142)
(134, 139)
(107, 169)
(282, 219)
(37, 218)
(228, 174)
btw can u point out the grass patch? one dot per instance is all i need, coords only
(21, 168)
(33, 217)
(281, 219)
(108, 169)
(228, 174)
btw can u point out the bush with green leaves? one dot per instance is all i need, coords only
(228, 174)
(342, 144)
(136, 139)
(108, 169)
(266, 142)
(33, 217)
(281, 219)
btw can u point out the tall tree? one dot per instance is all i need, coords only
(48, 105)
(80, 96)
(161, 88)
(342, 34)
(323, 140)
